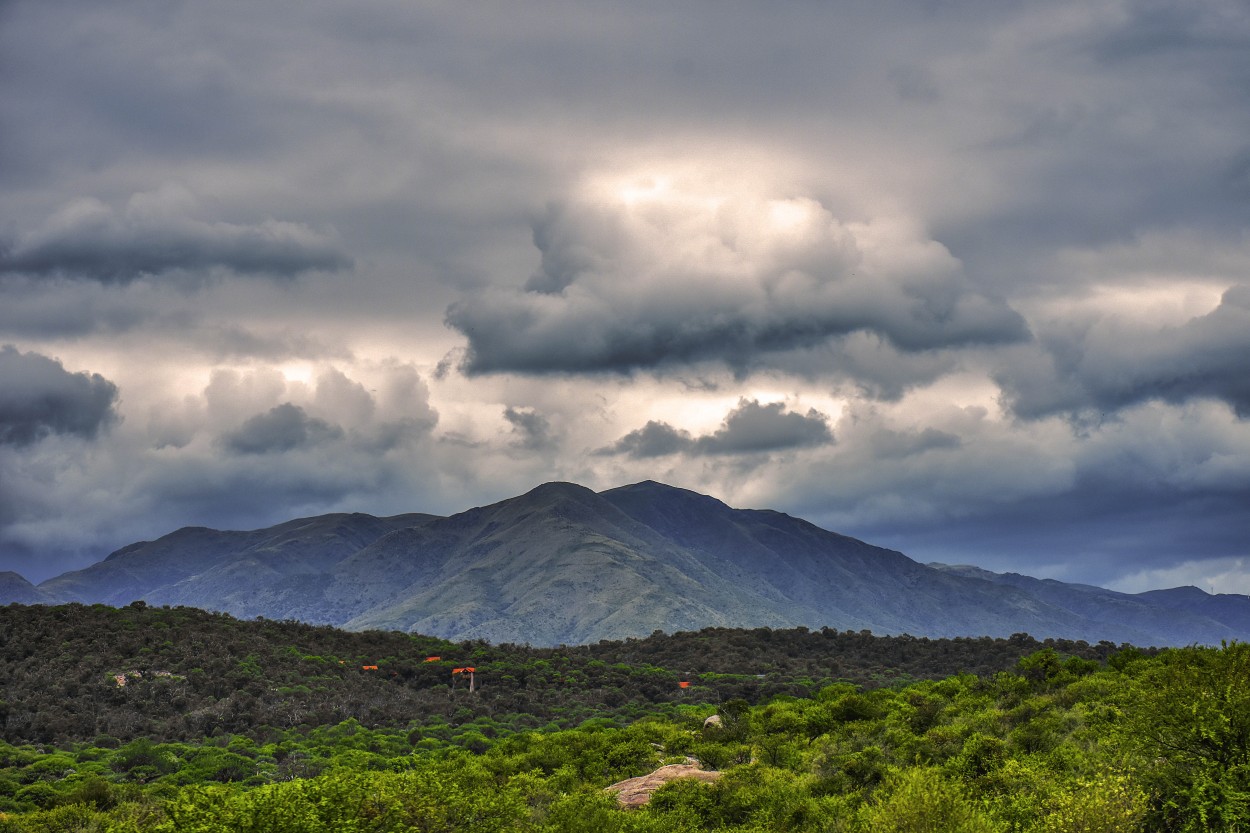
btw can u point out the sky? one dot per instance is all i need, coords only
(966, 279)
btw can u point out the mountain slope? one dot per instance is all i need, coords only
(845, 582)
(562, 564)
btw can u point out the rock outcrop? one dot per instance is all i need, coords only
(632, 793)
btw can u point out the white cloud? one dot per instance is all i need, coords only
(660, 269)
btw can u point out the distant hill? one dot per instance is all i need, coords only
(186, 673)
(1192, 616)
(14, 588)
(562, 564)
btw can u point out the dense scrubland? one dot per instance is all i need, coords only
(224, 725)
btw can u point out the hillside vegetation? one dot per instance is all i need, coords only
(1058, 742)
(75, 672)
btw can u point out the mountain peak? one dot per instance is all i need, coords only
(554, 493)
(558, 488)
(652, 491)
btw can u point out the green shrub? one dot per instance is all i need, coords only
(920, 800)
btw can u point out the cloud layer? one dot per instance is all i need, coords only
(661, 272)
(157, 233)
(967, 279)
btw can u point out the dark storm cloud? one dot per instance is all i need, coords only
(1115, 525)
(1112, 364)
(38, 397)
(156, 234)
(750, 428)
(282, 428)
(622, 289)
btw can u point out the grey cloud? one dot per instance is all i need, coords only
(157, 234)
(750, 428)
(1112, 364)
(251, 449)
(34, 308)
(283, 428)
(1154, 29)
(891, 444)
(258, 409)
(655, 439)
(623, 289)
(1156, 485)
(1111, 523)
(395, 434)
(38, 397)
(532, 429)
(865, 362)
(232, 341)
(914, 84)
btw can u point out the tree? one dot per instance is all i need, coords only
(1189, 715)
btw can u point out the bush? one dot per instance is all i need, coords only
(919, 800)
(1112, 803)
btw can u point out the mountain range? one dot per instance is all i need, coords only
(562, 564)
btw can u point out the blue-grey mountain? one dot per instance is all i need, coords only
(563, 564)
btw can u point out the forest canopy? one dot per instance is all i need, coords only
(1062, 738)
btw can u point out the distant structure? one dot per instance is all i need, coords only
(466, 670)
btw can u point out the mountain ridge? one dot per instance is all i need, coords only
(562, 564)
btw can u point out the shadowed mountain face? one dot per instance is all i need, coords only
(562, 564)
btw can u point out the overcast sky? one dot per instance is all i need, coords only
(967, 279)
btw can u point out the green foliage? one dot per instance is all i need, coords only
(188, 673)
(1059, 745)
(920, 800)
(1110, 803)
(1188, 714)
